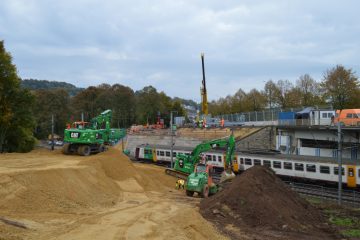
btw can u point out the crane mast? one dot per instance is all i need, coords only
(204, 103)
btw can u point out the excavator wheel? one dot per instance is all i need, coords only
(102, 148)
(205, 191)
(66, 148)
(189, 193)
(84, 150)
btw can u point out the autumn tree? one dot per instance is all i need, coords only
(16, 118)
(271, 91)
(309, 91)
(255, 100)
(341, 87)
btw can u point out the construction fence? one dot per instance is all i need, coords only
(257, 116)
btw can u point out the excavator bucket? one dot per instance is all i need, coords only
(226, 175)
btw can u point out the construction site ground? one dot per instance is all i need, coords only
(47, 195)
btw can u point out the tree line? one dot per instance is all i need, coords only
(26, 114)
(339, 89)
(26, 107)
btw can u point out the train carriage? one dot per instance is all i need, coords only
(318, 169)
(304, 168)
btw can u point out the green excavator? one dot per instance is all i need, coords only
(91, 137)
(202, 177)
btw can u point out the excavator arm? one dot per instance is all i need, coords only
(104, 117)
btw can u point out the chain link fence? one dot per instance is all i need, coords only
(257, 116)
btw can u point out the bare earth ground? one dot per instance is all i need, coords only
(103, 196)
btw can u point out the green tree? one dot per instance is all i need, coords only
(148, 104)
(16, 118)
(341, 87)
(51, 102)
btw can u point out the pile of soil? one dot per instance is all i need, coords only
(260, 204)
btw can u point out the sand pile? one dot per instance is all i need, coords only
(258, 202)
(95, 181)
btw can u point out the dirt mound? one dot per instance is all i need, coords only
(261, 204)
(95, 181)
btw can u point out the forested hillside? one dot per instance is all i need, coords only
(34, 84)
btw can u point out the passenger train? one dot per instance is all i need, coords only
(295, 167)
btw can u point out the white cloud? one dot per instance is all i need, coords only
(139, 43)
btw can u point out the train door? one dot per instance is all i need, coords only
(154, 155)
(235, 164)
(351, 176)
(148, 154)
(137, 150)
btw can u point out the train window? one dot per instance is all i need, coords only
(167, 154)
(219, 159)
(349, 115)
(267, 163)
(174, 154)
(324, 115)
(214, 158)
(336, 171)
(257, 162)
(241, 161)
(147, 151)
(234, 160)
(157, 153)
(351, 172)
(276, 164)
(325, 169)
(299, 167)
(359, 173)
(310, 168)
(162, 153)
(248, 161)
(208, 157)
(288, 165)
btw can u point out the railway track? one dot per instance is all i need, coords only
(350, 197)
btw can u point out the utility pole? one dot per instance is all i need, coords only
(52, 132)
(339, 158)
(172, 137)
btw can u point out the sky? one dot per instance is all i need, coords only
(138, 43)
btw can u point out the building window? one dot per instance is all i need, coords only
(276, 164)
(257, 162)
(310, 168)
(325, 169)
(267, 163)
(288, 165)
(248, 161)
(299, 167)
(167, 154)
(336, 171)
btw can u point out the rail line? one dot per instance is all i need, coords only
(350, 197)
